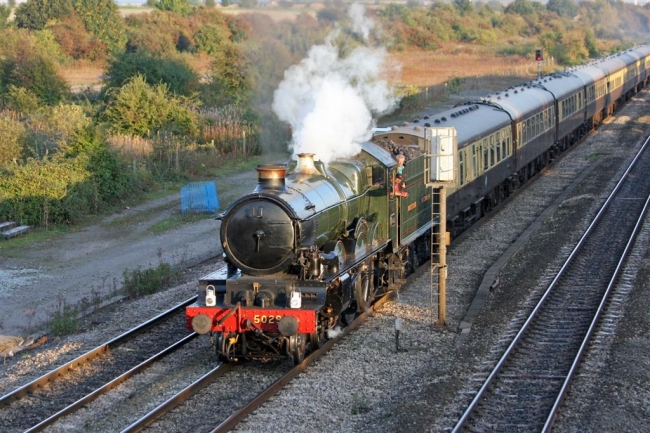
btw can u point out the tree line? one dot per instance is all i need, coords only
(184, 85)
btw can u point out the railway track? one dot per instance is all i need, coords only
(66, 389)
(68, 405)
(61, 391)
(230, 419)
(529, 382)
(225, 421)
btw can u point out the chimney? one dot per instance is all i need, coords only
(271, 176)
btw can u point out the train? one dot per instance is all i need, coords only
(314, 244)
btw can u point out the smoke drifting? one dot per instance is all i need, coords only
(329, 99)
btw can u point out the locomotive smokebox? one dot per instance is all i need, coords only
(271, 177)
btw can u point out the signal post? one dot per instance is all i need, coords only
(440, 175)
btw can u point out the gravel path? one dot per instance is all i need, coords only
(89, 262)
(365, 385)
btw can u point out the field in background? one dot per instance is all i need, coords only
(426, 68)
(419, 68)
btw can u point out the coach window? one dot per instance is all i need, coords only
(492, 151)
(474, 165)
(573, 103)
(483, 162)
(461, 167)
(552, 116)
(498, 145)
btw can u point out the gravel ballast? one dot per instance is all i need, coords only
(364, 384)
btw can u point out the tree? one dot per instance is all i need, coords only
(12, 135)
(102, 18)
(5, 11)
(179, 77)
(520, 7)
(76, 41)
(21, 100)
(230, 80)
(181, 7)
(564, 8)
(138, 108)
(34, 14)
(464, 6)
(210, 38)
(34, 72)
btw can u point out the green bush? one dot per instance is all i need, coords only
(34, 14)
(64, 319)
(177, 75)
(210, 39)
(230, 82)
(139, 282)
(180, 7)
(156, 32)
(103, 19)
(30, 70)
(21, 99)
(5, 12)
(108, 173)
(12, 136)
(40, 192)
(63, 189)
(140, 109)
(75, 41)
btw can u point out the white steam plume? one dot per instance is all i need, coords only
(329, 101)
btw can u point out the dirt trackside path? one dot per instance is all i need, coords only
(34, 280)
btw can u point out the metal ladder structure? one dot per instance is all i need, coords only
(438, 263)
(443, 151)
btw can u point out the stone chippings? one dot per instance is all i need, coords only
(363, 384)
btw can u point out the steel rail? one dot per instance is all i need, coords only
(179, 398)
(221, 369)
(112, 384)
(583, 347)
(472, 406)
(20, 392)
(276, 386)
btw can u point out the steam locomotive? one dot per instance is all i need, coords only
(314, 243)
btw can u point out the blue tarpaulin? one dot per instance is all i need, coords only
(199, 197)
